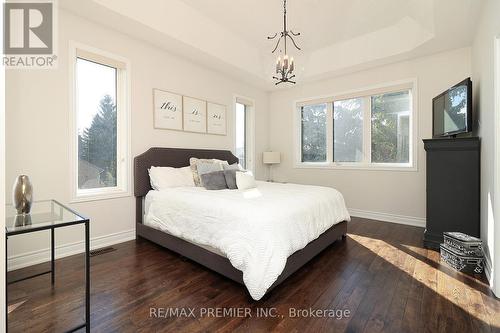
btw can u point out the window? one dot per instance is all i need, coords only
(313, 119)
(241, 125)
(390, 128)
(348, 130)
(371, 129)
(243, 130)
(101, 126)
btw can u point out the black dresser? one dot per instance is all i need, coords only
(453, 176)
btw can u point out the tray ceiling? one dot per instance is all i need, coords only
(338, 36)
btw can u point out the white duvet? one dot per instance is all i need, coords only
(257, 229)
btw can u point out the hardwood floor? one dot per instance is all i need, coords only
(380, 273)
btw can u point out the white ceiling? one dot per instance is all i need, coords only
(322, 22)
(337, 36)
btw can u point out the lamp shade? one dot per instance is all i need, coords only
(271, 157)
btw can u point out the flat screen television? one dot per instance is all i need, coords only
(452, 110)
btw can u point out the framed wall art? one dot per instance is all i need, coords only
(216, 119)
(195, 115)
(167, 110)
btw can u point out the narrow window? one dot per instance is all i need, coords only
(241, 133)
(101, 122)
(96, 96)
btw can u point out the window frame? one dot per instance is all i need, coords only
(329, 135)
(123, 125)
(245, 124)
(365, 93)
(249, 104)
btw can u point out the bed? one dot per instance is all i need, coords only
(221, 232)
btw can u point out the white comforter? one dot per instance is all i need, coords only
(257, 229)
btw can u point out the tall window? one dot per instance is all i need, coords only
(101, 126)
(244, 131)
(241, 133)
(313, 133)
(368, 130)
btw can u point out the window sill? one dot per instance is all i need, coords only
(343, 166)
(100, 195)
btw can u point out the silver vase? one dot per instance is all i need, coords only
(22, 194)
(22, 220)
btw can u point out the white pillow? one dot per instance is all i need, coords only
(245, 180)
(167, 177)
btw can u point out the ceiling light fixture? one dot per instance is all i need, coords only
(285, 65)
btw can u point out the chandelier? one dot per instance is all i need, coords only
(284, 66)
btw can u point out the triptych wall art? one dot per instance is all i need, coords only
(176, 112)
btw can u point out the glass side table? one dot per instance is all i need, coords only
(48, 215)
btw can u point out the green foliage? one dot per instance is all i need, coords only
(314, 133)
(97, 143)
(348, 130)
(390, 139)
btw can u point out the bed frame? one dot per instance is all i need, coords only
(176, 157)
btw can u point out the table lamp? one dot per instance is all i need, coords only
(270, 158)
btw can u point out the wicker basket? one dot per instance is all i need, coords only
(464, 244)
(460, 261)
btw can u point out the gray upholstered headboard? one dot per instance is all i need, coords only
(168, 157)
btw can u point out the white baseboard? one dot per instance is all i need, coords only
(489, 271)
(36, 257)
(393, 218)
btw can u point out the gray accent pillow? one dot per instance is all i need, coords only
(193, 163)
(234, 166)
(230, 176)
(213, 180)
(207, 167)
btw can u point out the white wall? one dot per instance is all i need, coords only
(484, 97)
(397, 195)
(38, 138)
(2, 185)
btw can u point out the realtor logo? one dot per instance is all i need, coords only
(29, 34)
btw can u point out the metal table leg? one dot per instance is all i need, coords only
(87, 276)
(52, 256)
(6, 290)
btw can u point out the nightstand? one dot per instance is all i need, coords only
(48, 215)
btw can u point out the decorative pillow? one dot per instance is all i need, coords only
(230, 176)
(204, 167)
(234, 166)
(214, 180)
(193, 162)
(245, 180)
(168, 177)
